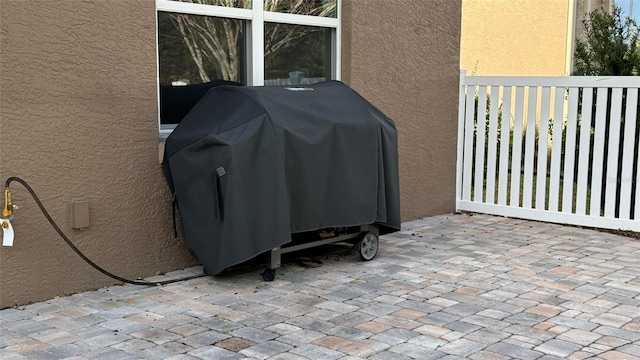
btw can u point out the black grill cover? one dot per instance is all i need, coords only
(248, 166)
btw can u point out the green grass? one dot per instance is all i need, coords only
(534, 195)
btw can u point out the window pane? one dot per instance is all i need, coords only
(296, 54)
(242, 4)
(326, 8)
(194, 50)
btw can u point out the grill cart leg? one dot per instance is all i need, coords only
(275, 261)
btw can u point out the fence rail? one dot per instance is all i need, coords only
(557, 149)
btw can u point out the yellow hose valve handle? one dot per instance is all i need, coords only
(7, 211)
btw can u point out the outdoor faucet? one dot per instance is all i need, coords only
(5, 221)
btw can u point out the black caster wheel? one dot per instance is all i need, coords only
(269, 274)
(368, 246)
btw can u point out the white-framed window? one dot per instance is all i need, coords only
(252, 42)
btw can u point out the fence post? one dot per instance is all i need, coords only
(461, 112)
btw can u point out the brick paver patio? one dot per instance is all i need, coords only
(450, 286)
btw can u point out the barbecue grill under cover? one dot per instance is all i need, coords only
(250, 165)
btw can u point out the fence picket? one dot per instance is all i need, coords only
(529, 148)
(493, 140)
(612, 153)
(543, 143)
(626, 182)
(503, 182)
(584, 152)
(556, 150)
(569, 152)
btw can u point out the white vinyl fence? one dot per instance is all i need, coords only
(556, 149)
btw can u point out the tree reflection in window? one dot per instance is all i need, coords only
(242, 4)
(297, 48)
(198, 49)
(326, 8)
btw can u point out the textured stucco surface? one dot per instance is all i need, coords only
(78, 119)
(514, 37)
(403, 56)
(522, 37)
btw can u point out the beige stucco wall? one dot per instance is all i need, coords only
(403, 56)
(78, 114)
(78, 119)
(515, 37)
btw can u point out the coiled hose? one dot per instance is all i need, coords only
(77, 251)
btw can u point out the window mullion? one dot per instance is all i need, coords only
(336, 50)
(257, 43)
